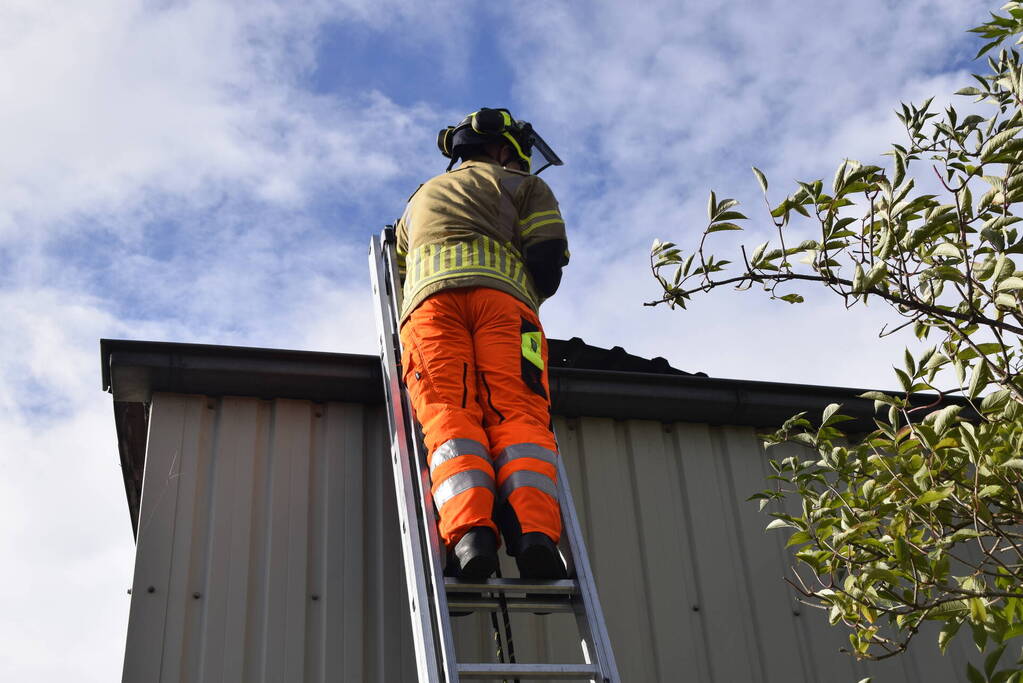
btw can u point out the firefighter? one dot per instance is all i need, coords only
(480, 247)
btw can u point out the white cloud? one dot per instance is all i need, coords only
(69, 547)
(111, 102)
(659, 107)
(65, 522)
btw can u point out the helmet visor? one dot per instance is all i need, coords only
(531, 140)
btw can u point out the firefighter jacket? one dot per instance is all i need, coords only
(481, 225)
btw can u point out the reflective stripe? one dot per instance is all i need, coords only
(452, 448)
(539, 219)
(534, 226)
(460, 482)
(538, 214)
(401, 262)
(525, 450)
(483, 255)
(526, 478)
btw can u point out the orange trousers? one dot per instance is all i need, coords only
(475, 363)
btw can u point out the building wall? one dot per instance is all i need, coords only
(267, 552)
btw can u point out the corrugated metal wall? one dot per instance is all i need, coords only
(267, 552)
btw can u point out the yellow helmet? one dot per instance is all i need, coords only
(494, 125)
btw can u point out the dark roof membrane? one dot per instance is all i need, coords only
(575, 353)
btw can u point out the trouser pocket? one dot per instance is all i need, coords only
(532, 357)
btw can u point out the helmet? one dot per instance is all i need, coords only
(493, 125)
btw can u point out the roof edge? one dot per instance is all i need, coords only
(132, 371)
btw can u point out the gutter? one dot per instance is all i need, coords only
(133, 370)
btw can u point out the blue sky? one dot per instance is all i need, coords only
(211, 172)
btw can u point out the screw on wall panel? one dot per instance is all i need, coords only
(212, 405)
(667, 429)
(129, 591)
(197, 595)
(315, 597)
(151, 589)
(795, 613)
(696, 608)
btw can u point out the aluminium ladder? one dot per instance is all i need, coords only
(422, 549)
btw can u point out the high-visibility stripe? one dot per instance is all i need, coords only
(527, 478)
(538, 214)
(483, 255)
(525, 450)
(452, 448)
(461, 482)
(534, 226)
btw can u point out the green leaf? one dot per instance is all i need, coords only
(1013, 632)
(991, 661)
(792, 298)
(945, 418)
(757, 253)
(946, 249)
(948, 631)
(718, 227)
(798, 538)
(987, 46)
(946, 610)
(978, 610)
(933, 496)
(875, 274)
(995, 142)
(878, 396)
(979, 380)
(989, 490)
(857, 283)
(1010, 283)
(996, 400)
(779, 524)
(973, 674)
(712, 205)
(1014, 463)
(1006, 300)
(761, 178)
(907, 383)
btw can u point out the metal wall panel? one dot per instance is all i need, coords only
(265, 549)
(267, 552)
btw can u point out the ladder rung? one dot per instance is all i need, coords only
(566, 672)
(474, 604)
(563, 587)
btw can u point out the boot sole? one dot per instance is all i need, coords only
(537, 562)
(479, 567)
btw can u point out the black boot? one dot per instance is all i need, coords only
(474, 558)
(538, 558)
(475, 554)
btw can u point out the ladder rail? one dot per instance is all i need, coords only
(413, 543)
(596, 642)
(427, 512)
